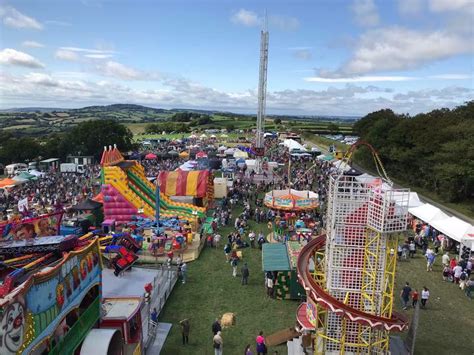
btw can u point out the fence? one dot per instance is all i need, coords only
(163, 284)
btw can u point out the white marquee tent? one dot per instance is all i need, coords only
(427, 213)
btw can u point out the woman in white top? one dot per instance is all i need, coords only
(425, 294)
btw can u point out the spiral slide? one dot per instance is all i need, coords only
(397, 323)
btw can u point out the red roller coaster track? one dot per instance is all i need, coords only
(398, 322)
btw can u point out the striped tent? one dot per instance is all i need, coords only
(184, 183)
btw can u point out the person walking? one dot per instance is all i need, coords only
(184, 272)
(245, 274)
(414, 298)
(216, 326)
(185, 328)
(234, 263)
(405, 295)
(218, 343)
(425, 295)
(227, 250)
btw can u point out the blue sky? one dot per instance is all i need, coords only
(328, 57)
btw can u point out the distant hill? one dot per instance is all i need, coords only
(33, 109)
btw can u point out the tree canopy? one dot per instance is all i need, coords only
(432, 150)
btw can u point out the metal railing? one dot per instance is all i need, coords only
(163, 284)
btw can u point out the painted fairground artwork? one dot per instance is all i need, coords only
(32, 314)
(42, 226)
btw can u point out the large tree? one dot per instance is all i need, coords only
(89, 138)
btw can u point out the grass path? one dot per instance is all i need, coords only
(211, 291)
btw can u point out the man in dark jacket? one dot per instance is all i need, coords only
(245, 274)
(216, 326)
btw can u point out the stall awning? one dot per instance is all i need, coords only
(427, 213)
(275, 257)
(453, 227)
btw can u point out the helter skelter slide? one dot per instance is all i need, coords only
(350, 291)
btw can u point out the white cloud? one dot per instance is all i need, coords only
(88, 50)
(303, 54)
(64, 54)
(359, 79)
(251, 19)
(246, 18)
(73, 89)
(398, 48)
(32, 44)
(98, 56)
(11, 17)
(365, 13)
(10, 56)
(120, 71)
(450, 5)
(451, 76)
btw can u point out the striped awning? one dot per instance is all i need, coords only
(184, 183)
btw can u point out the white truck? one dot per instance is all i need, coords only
(71, 168)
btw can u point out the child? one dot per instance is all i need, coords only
(446, 273)
(414, 298)
(425, 294)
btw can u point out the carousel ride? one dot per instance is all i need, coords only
(350, 290)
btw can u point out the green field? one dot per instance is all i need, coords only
(212, 291)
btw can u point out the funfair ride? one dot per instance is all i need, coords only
(350, 291)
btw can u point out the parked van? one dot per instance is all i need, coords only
(15, 168)
(71, 168)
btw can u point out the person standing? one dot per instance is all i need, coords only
(218, 343)
(425, 295)
(248, 350)
(412, 248)
(185, 328)
(269, 284)
(261, 346)
(405, 295)
(216, 326)
(184, 272)
(227, 250)
(154, 317)
(445, 259)
(245, 274)
(457, 271)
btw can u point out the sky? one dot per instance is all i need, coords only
(326, 57)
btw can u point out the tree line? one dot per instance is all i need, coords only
(87, 138)
(431, 150)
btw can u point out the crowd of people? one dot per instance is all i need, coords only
(52, 189)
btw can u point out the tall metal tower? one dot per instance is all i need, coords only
(262, 96)
(350, 293)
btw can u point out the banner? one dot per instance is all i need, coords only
(23, 205)
(42, 226)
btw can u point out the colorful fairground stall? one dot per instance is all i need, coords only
(49, 299)
(291, 200)
(279, 260)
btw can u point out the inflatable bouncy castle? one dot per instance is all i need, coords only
(127, 192)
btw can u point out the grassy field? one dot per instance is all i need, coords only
(446, 325)
(212, 291)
